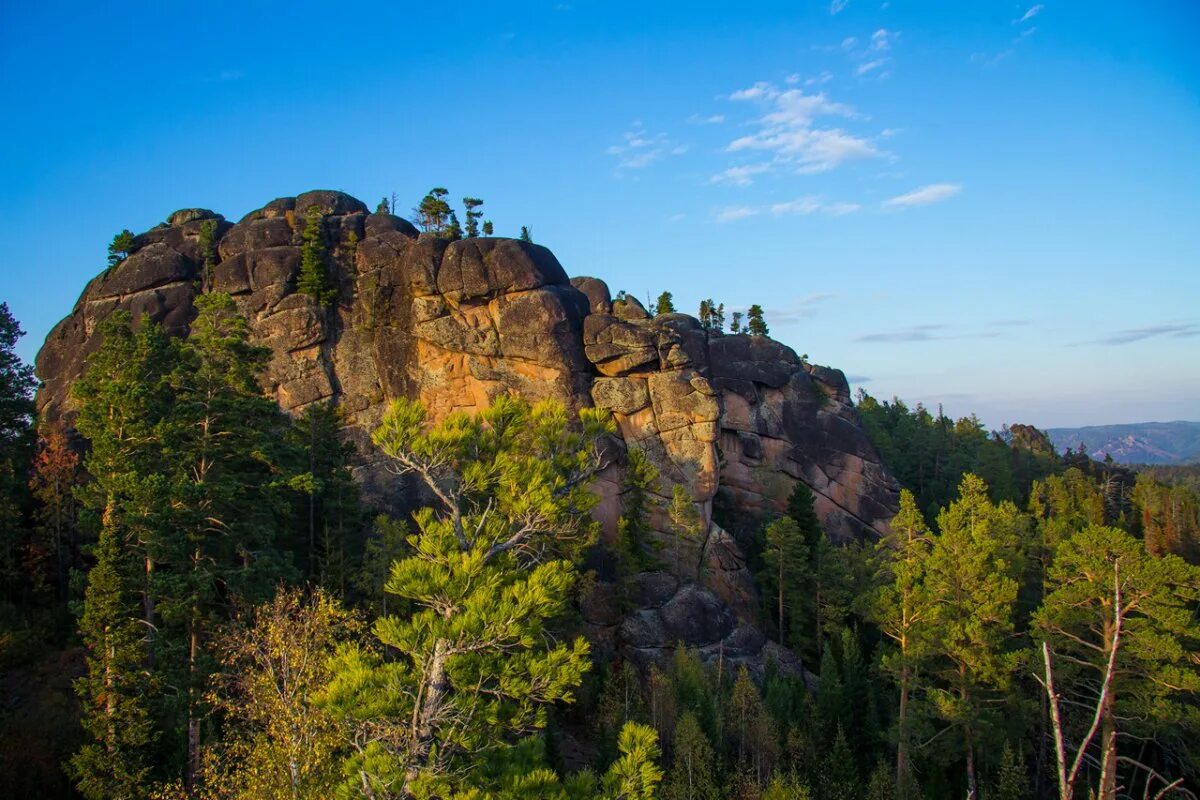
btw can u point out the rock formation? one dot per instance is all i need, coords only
(735, 419)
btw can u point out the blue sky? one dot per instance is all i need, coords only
(993, 205)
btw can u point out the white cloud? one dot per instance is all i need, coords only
(735, 212)
(1030, 14)
(792, 79)
(740, 175)
(925, 195)
(640, 149)
(804, 308)
(787, 131)
(849, 42)
(712, 119)
(825, 77)
(882, 39)
(837, 6)
(867, 66)
(841, 209)
(812, 204)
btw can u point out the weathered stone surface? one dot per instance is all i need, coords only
(735, 420)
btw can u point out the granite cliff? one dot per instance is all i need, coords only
(735, 419)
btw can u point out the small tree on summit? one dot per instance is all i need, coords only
(383, 207)
(121, 247)
(473, 214)
(665, 304)
(526, 236)
(736, 325)
(433, 214)
(755, 324)
(488, 229)
(314, 279)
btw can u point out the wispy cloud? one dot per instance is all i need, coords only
(712, 119)
(1030, 14)
(838, 6)
(804, 308)
(923, 333)
(731, 213)
(882, 39)
(1179, 330)
(824, 77)
(801, 206)
(787, 130)
(867, 66)
(640, 149)
(742, 175)
(925, 195)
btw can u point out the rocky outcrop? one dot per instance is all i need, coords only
(736, 420)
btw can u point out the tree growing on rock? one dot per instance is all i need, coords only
(735, 325)
(488, 228)
(120, 247)
(473, 668)
(665, 304)
(526, 235)
(685, 519)
(433, 212)
(755, 324)
(314, 279)
(473, 214)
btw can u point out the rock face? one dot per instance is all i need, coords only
(735, 419)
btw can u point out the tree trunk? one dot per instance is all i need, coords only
(1108, 756)
(781, 643)
(972, 781)
(436, 684)
(902, 736)
(148, 611)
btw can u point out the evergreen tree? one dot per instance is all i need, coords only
(749, 730)
(691, 776)
(488, 228)
(208, 252)
(620, 702)
(453, 230)
(635, 775)
(526, 235)
(387, 544)
(839, 776)
(383, 207)
(226, 445)
(17, 442)
(735, 326)
(1011, 781)
(56, 476)
(433, 213)
(786, 576)
(665, 304)
(473, 214)
(314, 279)
(902, 609)
(124, 397)
(637, 484)
(1122, 631)
(473, 669)
(970, 578)
(755, 324)
(785, 787)
(686, 521)
(120, 248)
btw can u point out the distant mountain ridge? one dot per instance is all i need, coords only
(1137, 443)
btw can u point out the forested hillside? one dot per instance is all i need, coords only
(240, 622)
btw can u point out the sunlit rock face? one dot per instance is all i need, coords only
(734, 419)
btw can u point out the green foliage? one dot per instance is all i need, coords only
(756, 325)
(433, 213)
(120, 248)
(488, 228)
(637, 484)
(275, 741)
(208, 252)
(17, 439)
(838, 778)
(383, 207)
(1156, 681)
(526, 235)
(786, 577)
(314, 278)
(712, 316)
(386, 544)
(471, 671)
(473, 214)
(691, 776)
(635, 775)
(665, 304)
(735, 325)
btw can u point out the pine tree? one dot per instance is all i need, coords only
(970, 578)
(665, 304)
(227, 448)
(620, 702)
(124, 397)
(387, 544)
(901, 608)
(635, 775)
(453, 230)
(1117, 622)
(208, 252)
(526, 235)
(839, 776)
(433, 213)
(473, 214)
(488, 228)
(473, 670)
(383, 207)
(685, 520)
(755, 324)
(314, 279)
(786, 575)
(750, 730)
(120, 248)
(691, 776)
(56, 476)
(735, 326)
(17, 442)
(637, 484)
(1011, 780)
